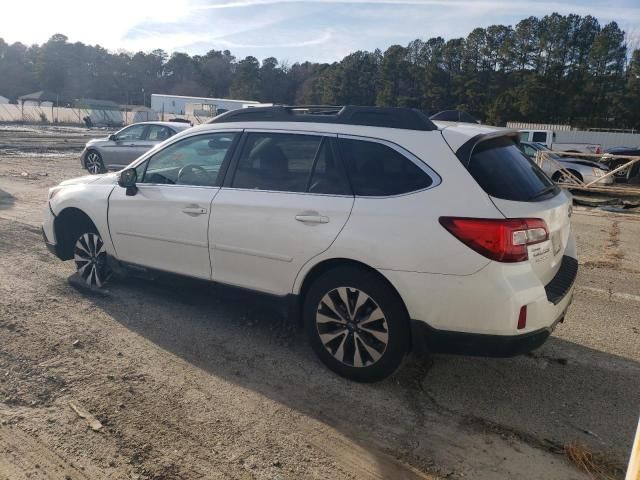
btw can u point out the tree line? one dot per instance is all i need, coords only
(554, 69)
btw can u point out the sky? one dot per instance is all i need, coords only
(316, 30)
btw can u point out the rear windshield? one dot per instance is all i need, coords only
(503, 171)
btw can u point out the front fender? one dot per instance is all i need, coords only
(93, 200)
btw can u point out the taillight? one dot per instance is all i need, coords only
(598, 150)
(502, 240)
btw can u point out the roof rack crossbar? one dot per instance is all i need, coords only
(389, 117)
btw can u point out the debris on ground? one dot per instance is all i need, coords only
(608, 203)
(93, 422)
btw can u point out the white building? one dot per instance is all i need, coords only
(177, 104)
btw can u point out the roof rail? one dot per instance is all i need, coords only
(390, 117)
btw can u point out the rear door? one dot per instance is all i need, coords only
(284, 202)
(519, 189)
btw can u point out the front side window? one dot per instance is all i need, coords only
(132, 133)
(158, 133)
(524, 136)
(377, 170)
(277, 162)
(192, 161)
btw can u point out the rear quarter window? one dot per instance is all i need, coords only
(377, 170)
(503, 171)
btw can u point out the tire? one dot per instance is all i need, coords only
(90, 257)
(341, 328)
(622, 175)
(558, 176)
(93, 162)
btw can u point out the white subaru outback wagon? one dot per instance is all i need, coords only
(385, 231)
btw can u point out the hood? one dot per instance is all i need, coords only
(103, 179)
(93, 141)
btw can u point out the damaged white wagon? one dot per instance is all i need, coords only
(385, 231)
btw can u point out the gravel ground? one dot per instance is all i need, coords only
(193, 381)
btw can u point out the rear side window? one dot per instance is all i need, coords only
(503, 171)
(277, 162)
(539, 137)
(290, 163)
(376, 170)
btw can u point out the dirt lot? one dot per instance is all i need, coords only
(190, 381)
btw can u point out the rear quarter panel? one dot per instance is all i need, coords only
(403, 232)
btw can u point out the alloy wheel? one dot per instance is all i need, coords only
(352, 327)
(93, 163)
(91, 259)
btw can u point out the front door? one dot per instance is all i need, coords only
(165, 224)
(285, 202)
(121, 150)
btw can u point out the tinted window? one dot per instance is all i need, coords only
(158, 133)
(134, 132)
(328, 176)
(524, 136)
(504, 172)
(375, 169)
(192, 161)
(276, 161)
(539, 137)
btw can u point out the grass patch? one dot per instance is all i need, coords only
(598, 465)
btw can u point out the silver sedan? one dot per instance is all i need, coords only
(121, 148)
(584, 170)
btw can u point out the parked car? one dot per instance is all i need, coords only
(613, 157)
(121, 148)
(562, 140)
(584, 170)
(382, 230)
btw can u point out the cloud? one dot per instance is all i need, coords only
(324, 38)
(604, 10)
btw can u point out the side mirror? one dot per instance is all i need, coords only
(112, 137)
(127, 179)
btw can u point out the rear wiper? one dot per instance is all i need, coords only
(544, 191)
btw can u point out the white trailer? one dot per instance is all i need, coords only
(177, 104)
(563, 138)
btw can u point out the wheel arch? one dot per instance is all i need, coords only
(328, 264)
(558, 173)
(68, 222)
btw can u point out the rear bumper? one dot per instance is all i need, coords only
(558, 297)
(430, 340)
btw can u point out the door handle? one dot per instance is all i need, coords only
(312, 219)
(193, 211)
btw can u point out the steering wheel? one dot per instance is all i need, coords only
(191, 169)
